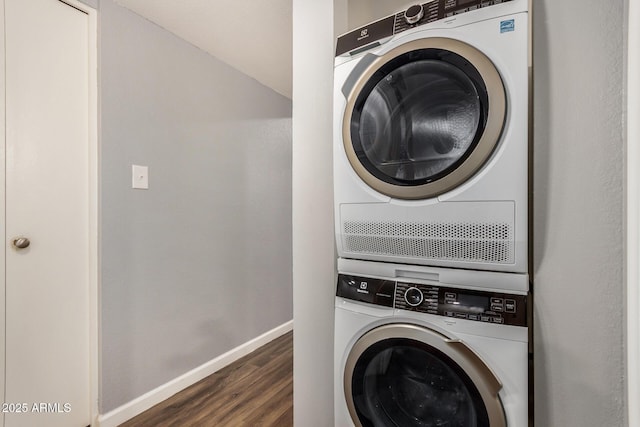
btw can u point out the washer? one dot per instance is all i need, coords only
(431, 128)
(423, 346)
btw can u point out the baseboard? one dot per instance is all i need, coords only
(157, 395)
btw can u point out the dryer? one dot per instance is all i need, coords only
(412, 349)
(431, 136)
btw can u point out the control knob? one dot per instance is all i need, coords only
(413, 296)
(413, 14)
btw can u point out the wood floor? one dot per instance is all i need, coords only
(256, 390)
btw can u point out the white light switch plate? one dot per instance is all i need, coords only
(140, 177)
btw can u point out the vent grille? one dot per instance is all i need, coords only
(452, 241)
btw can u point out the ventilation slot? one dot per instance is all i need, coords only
(459, 241)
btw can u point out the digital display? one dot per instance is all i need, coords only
(475, 302)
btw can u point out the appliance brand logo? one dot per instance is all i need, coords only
(364, 288)
(507, 26)
(364, 34)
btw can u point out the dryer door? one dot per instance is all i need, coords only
(422, 118)
(406, 375)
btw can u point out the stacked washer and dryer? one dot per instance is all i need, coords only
(431, 127)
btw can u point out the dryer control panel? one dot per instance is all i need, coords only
(476, 305)
(415, 15)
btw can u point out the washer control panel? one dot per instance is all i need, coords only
(480, 306)
(416, 14)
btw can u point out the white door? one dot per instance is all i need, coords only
(47, 371)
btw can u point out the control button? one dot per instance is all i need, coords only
(497, 301)
(413, 296)
(510, 306)
(497, 308)
(413, 14)
(473, 317)
(450, 295)
(485, 318)
(499, 320)
(461, 316)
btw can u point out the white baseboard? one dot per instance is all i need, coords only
(157, 395)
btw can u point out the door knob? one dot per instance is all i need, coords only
(21, 242)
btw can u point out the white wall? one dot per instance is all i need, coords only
(633, 213)
(578, 213)
(201, 262)
(313, 245)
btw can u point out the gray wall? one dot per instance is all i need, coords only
(201, 262)
(578, 207)
(578, 211)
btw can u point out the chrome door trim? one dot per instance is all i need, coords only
(479, 155)
(481, 375)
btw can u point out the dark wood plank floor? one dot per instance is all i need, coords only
(256, 390)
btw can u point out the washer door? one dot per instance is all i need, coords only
(406, 375)
(423, 118)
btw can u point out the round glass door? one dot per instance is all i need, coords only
(402, 375)
(424, 118)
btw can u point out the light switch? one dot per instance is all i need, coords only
(140, 177)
